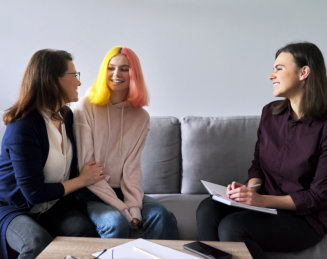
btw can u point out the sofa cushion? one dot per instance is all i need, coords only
(316, 252)
(161, 157)
(184, 207)
(216, 149)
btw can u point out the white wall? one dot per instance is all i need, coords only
(199, 57)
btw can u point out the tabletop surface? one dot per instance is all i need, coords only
(83, 247)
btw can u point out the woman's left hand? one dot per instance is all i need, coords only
(135, 224)
(246, 195)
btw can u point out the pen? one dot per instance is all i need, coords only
(146, 252)
(102, 252)
(255, 185)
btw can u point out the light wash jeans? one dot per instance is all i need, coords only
(157, 221)
(28, 235)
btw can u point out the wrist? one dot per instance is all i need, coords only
(135, 212)
(264, 201)
(80, 181)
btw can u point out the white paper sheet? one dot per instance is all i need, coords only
(218, 193)
(151, 251)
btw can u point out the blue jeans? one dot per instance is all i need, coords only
(29, 235)
(25, 236)
(157, 221)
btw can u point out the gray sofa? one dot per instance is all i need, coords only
(179, 153)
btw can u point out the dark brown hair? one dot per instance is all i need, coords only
(40, 88)
(314, 100)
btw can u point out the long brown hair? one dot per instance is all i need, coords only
(314, 100)
(40, 88)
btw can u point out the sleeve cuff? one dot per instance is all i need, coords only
(127, 215)
(301, 204)
(135, 212)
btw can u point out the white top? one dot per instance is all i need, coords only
(57, 166)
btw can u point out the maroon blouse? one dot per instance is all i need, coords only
(291, 158)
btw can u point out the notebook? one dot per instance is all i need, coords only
(218, 193)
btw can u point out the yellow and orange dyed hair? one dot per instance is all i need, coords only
(99, 93)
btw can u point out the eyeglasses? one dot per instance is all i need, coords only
(77, 74)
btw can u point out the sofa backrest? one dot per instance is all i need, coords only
(178, 154)
(161, 157)
(216, 149)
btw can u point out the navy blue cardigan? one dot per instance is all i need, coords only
(24, 151)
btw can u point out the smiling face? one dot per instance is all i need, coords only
(69, 83)
(286, 77)
(118, 74)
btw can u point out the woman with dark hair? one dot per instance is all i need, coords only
(111, 128)
(290, 164)
(38, 162)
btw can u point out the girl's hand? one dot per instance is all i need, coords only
(135, 224)
(91, 173)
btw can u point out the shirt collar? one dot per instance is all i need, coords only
(304, 119)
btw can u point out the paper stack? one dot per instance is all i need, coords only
(141, 248)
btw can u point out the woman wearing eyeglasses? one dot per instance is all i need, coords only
(38, 162)
(111, 128)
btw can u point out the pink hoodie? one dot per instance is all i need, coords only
(114, 136)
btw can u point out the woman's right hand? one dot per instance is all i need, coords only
(232, 186)
(91, 173)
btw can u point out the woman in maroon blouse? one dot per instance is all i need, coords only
(290, 164)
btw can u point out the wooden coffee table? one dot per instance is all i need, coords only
(83, 247)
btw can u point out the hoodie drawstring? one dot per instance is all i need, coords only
(121, 128)
(106, 153)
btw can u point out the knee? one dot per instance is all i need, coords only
(169, 219)
(205, 209)
(27, 237)
(37, 243)
(80, 227)
(230, 229)
(117, 226)
(33, 246)
(159, 213)
(160, 223)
